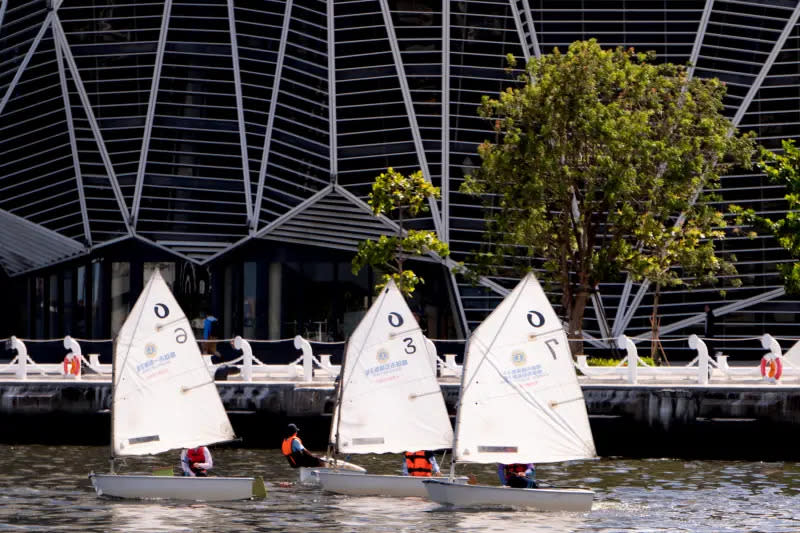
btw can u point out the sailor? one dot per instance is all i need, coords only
(517, 475)
(294, 451)
(421, 463)
(196, 461)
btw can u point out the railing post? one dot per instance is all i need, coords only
(22, 358)
(768, 342)
(695, 343)
(75, 349)
(308, 357)
(247, 357)
(626, 344)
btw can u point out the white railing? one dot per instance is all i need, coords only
(309, 367)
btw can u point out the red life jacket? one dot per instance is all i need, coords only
(195, 455)
(418, 464)
(515, 468)
(286, 450)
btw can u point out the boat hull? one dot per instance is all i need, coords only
(308, 475)
(374, 484)
(450, 494)
(173, 487)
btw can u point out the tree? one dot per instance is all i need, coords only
(783, 169)
(598, 167)
(393, 193)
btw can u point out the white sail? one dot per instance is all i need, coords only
(390, 399)
(164, 397)
(520, 399)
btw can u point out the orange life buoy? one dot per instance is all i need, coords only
(771, 368)
(72, 365)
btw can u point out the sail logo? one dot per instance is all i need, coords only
(155, 362)
(522, 371)
(385, 368)
(150, 350)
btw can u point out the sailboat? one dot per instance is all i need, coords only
(164, 398)
(389, 399)
(520, 402)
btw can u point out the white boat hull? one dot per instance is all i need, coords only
(308, 475)
(445, 493)
(173, 487)
(374, 484)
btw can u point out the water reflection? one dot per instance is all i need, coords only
(46, 489)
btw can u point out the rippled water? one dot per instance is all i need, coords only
(45, 488)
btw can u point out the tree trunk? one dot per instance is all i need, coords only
(575, 332)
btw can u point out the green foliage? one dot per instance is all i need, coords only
(596, 155)
(783, 169)
(394, 193)
(599, 361)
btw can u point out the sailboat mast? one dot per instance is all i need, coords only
(458, 413)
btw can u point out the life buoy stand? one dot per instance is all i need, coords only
(72, 365)
(771, 368)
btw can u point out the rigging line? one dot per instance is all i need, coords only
(532, 400)
(384, 295)
(124, 361)
(159, 327)
(491, 344)
(406, 332)
(187, 389)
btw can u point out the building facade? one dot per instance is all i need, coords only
(232, 143)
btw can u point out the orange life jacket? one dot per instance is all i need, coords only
(418, 465)
(286, 449)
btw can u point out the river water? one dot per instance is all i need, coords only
(45, 488)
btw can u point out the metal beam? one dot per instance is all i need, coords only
(587, 337)
(445, 237)
(273, 102)
(151, 109)
(166, 249)
(523, 41)
(333, 141)
(48, 22)
(293, 211)
(412, 115)
(619, 327)
(701, 33)
(3, 6)
(537, 51)
(623, 304)
(718, 312)
(765, 68)
(61, 40)
(456, 295)
(237, 81)
(600, 313)
(87, 232)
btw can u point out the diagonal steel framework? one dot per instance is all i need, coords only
(445, 237)
(48, 22)
(332, 130)
(237, 81)
(87, 232)
(412, 115)
(61, 40)
(151, 111)
(754, 88)
(273, 103)
(3, 6)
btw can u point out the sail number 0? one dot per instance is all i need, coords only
(162, 311)
(536, 319)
